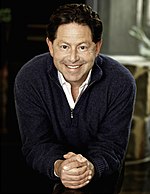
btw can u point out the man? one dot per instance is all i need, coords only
(75, 105)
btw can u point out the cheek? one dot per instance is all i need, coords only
(92, 51)
(57, 56)
(57, 53)
(91, 55)
(91, 58)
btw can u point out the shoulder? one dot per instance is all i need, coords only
(114, 69)
(115, 76)
(37, 61)
(35, 66)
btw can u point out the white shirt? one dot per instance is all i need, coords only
(67, 88)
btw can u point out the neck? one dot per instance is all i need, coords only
(74, 91)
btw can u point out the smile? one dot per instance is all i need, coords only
(73, 67)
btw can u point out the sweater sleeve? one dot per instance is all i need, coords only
(38, 140)
(107, 151)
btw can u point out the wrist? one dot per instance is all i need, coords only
(57, 167)
(92, 169)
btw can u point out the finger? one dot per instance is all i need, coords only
(76, 175)
(75, 183)
(76, 160)
(69, 164)
(68, 155)
(77, 171)
(81, 159)
(91, 168)
(78, 186)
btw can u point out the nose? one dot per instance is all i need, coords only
(73, 56)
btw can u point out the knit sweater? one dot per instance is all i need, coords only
(98, 127)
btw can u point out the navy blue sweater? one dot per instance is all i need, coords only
(101, 122)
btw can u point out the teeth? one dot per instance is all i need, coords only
(73, 67)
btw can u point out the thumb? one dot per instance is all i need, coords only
(69, 155)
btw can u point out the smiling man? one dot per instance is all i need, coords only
(75, 105)
(74, 53)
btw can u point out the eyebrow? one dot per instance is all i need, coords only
(64, 42)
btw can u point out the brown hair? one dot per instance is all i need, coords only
(78, 13)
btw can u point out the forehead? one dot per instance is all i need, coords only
(74, 31)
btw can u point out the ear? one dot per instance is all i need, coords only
(50, 46)
(98, 47)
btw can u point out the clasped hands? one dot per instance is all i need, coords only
(75, 171)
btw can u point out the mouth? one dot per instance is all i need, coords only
(73, 66)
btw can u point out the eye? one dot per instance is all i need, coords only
(64, 47)
(83, 48)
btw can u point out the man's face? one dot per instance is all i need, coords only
(74, 52)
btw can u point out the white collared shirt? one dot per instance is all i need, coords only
(67, 88)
